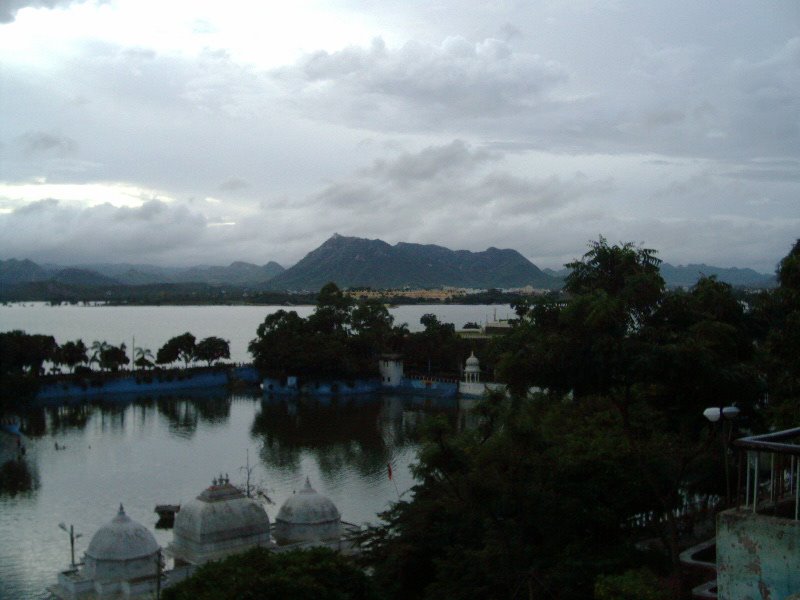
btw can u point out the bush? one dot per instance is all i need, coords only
(634, 584)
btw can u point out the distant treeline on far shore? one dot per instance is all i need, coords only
(202, 294)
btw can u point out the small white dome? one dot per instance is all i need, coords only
(307, 516)
(122, 539)
(473, 364)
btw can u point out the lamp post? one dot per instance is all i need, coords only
(72, 537)
(726, 413)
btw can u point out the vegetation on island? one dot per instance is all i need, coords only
(344, 338)
(23, 358)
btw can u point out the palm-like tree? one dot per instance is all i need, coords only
(143, 358)
(97, 352)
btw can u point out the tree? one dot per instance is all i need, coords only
(73, 354)
(143, 358)
(316, 574)
(652, 360)
(97, 349)
(114, 357)
(181, 347)
(332, 314)
(211, 349)
(778, 317)
(520, 506)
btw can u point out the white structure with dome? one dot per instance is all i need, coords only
(471, 386)
(122, 561)
(309, 518)
(219, 522)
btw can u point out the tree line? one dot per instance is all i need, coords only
(344, 338)
(24, 355)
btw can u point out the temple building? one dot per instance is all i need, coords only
(309, 518)
(472, 386)
(219, 522)
(123, 561)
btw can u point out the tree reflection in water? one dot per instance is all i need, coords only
(17, 477)
(359, 433)
(184, 413)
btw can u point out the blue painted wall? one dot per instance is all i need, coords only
(144, 383)
(332, 387)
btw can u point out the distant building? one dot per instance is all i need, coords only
(471, 386)
(391, 370)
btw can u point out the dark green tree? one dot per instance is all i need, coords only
(521, 506)
(212, 349)
(113, 357)
(778, 316)
(73, 354)
(317, 574)
(180, 347)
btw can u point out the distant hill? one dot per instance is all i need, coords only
(85, 277)
(687, 275)
(358, 262)
(13, 271)
(237, 273)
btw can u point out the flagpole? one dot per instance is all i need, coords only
(397, 491)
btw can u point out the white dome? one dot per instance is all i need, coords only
(220, 512)
(220, 521)
(473, 364)
(307, 516)
(122, 539)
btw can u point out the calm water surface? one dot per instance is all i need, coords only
(151, 451)
(148, 451)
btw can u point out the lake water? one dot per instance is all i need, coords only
(147, 451)
(152, 451)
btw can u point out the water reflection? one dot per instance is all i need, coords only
(17, 476)
(184, 414)
(354, 434)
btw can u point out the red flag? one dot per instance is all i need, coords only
(389, 466)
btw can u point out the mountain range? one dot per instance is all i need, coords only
(358, 262)
(354, 262)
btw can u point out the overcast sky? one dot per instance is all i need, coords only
(203, 132)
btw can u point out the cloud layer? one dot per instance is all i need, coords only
(533, 125)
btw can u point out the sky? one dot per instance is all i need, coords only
(188, 132)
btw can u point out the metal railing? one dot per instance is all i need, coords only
(771, 475)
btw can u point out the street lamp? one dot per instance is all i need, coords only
(72, 537)
(723, 413)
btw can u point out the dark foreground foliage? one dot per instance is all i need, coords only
(317, 574)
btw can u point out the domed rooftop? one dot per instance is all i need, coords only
(307, 516)
(221, 511)
(122, 539)
(473, 364)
